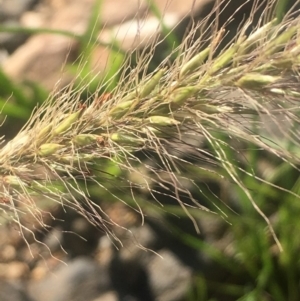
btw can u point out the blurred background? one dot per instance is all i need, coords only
(48, 44)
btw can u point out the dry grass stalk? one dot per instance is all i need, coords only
(201, 95)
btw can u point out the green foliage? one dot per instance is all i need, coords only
(17, 101)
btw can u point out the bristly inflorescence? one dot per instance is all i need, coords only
(203, 95)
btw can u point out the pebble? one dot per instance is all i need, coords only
(13, 9)
(80, 279)
(12, 291)
(10, 13)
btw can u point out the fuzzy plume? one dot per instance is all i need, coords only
(182, 119)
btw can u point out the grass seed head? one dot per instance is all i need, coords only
(180, 110)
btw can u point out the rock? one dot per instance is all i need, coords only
(168, 277)
(13, 270)
(13, 9)
(145, 273)
(42, 57)
(10, 13)
(12, 291)
(78, 280)
(109, 296)
(11, 41)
